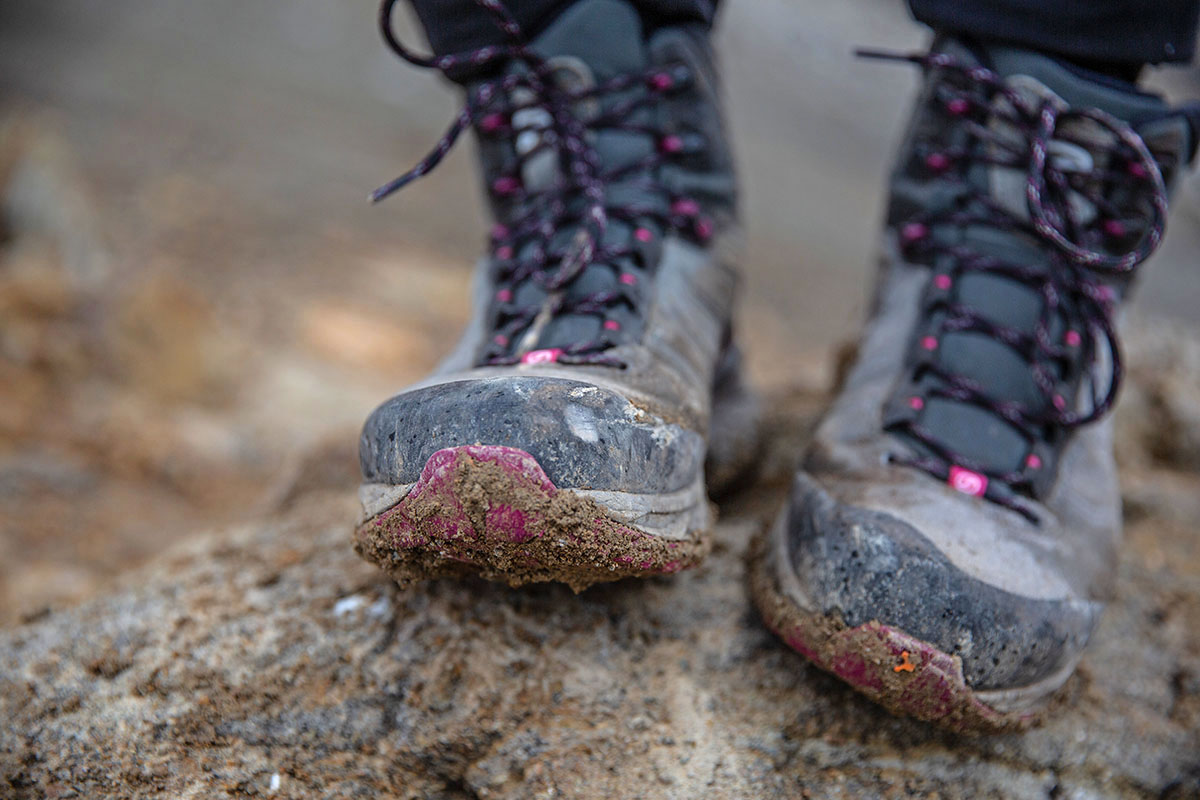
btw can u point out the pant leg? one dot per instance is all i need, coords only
(1116, 31)
(456, 26)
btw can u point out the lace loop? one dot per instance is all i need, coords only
(1050, 222)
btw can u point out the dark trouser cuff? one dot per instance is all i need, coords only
(458, 26)
(1116, 31)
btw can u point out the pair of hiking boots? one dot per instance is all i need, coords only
(951, 535)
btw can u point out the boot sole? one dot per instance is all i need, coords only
(902, 673)
(491, 511)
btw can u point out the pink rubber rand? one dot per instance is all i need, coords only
(906, 675)
(492, 510)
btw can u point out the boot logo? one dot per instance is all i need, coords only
(968, 481)
(548, 356)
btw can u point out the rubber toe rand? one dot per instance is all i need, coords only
(904, 674)
(491, 511)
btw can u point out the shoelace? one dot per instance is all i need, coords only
(520, 245)
(1076, 289)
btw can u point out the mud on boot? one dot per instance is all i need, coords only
(565, 437)
(951, 538)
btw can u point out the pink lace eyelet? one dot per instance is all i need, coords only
(491, 123)
(912, 232)
(661, 81)
(505, 185)
(958, 106)
(670, 144)
(685, 207)
(937, 162)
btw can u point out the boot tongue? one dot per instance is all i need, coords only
(606, 35)
(974, 432)
(1037, 78)
(1118, 98)
(589, 43)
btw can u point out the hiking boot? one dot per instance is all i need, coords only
(564, 439)
(951, 537)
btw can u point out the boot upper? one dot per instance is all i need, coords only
(603, 303)
(968, 450)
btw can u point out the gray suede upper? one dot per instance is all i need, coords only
(637, 428)
(872, 539)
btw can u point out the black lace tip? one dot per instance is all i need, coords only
(391, 187)
(870, 52)
(885, 55)
(379, 194)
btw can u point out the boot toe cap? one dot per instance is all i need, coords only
(583, 436)
(867, 565)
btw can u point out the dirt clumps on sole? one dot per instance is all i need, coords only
(492, 512)
(905, 675)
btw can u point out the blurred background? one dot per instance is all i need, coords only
(193, 289)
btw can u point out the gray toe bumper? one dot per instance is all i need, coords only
(866, 565)
(584, 437)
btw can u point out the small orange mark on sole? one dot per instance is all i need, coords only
(905, 665)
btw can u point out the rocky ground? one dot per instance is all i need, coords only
(196, 312)
(265, 659)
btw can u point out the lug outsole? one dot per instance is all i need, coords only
(902, 673)
(491, 511)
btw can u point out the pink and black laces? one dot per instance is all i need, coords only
(1092, 214)
(577, 233)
